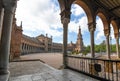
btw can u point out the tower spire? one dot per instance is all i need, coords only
(79, 33)
(79, 30)
(79, 42)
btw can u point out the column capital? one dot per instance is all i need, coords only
(10, 5)
(65, 16)
(107, 32)
(1, 4)
(92, 26)
(116, 35)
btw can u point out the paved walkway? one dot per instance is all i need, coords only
(53, 59)
(37, 71)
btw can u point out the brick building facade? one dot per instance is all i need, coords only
(22, 44)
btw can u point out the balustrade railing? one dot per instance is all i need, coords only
(102, 69)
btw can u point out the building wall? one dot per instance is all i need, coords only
(57, 47)
(31, 45)
(16, 36)
(22, 44)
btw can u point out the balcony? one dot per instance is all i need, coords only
(102, 69)
(38, 71)
(82, 68)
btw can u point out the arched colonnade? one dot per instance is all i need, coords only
(91, 11)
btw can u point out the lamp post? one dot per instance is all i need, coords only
(110, 41)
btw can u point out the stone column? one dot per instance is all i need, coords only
(65, 32)
(117, 45)
(1, 19)
(23, 48)
(107, 35)
(108, 46)
(9, 8)
(65, 19)
(92, 27)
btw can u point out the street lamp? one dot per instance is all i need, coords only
(110, 40)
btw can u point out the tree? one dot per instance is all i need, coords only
(113, 48)
(103, 46)
(87, 48)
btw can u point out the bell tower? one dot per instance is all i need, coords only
(79, 42)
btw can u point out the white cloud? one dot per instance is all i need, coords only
(99, 29)
(77, 10)
(112, 32)
(39, 15)
(82, 22)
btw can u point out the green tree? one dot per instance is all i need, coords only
(87, 48)
(103, 46)
(113, 48)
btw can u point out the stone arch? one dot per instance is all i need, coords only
(86, 8)
(104, 17)
(115, 28)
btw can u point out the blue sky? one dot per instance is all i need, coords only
(43, 16)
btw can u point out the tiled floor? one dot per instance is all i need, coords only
(37, 71)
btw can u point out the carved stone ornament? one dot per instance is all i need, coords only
(92, 26)
(65, 16)
(107, 32)
(10, 5)
(65, 20)
(116, 35)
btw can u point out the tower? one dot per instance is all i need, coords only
(79, 42)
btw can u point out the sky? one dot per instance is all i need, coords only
(43, 16)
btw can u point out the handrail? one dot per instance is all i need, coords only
(102, 59)
(101, 69)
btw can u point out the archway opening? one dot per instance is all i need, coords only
(42, 34)
(78, 30)
(100, 40)
(114, 37)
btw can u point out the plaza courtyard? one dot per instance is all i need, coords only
(53, 59)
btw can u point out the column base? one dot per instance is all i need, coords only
(4, 77)
(3, 71)
(63, 67)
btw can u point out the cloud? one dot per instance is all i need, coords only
(82, 21)
(39, 15)
(77, 10)
(99, 29)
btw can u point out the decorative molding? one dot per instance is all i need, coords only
(65, 16)
(107, 32)
(116, 35)
(65, 20)
(92, 26)
(10, 5)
